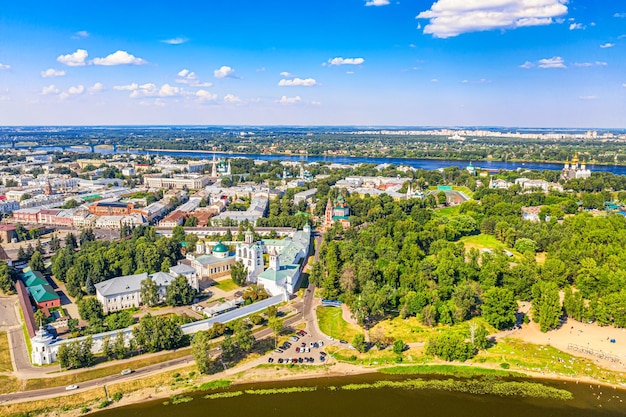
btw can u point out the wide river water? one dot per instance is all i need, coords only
(588, 401)
(427, 164)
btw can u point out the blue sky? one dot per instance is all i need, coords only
(536, 63)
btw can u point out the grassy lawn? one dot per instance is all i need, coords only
(67, 379)
(448, 211)
(483, 241)
(9, 384)
(332, 324)
(529, 357)
(5, 354)
(227, 285)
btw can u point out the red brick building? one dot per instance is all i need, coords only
(111, 208)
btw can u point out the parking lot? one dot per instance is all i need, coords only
(300, 349)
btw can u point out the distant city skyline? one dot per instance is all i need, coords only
(525, 63)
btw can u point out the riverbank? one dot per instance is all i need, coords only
(162, 386)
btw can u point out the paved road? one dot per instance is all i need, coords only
(138, 373)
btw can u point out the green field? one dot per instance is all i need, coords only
(5, 354)
(448, 211)
(483, 241)
(332, 323)
(227, 285)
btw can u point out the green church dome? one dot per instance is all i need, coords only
(220, 248)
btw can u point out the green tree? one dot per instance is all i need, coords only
(21, 254)
(119, 346)
(7, 280)
(450, 345)
(156, 333)
(70, 240)
(242, 334)
(523, 245)
(36, 262)
(90, 309)
(107, 347)
(546, 306)
(441, 198)
(149, 292)
(499, 307)
(228, 347)
(178, 234)
(40, 317)
(119, 320)
(399, 346)
(201, 351)
(358, 341)
(191, 221)
(238, 273)
(178, 292)
(277, 327)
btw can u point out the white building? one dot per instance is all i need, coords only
(286, 257)
(125, 292)
(250, 253)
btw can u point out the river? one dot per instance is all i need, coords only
(588, 401)
(427, 164)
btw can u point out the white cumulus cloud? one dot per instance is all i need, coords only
(231, 98)
(377, 3)
(286, 74)
(290, 100)
(577, 26)
(51, 72)
(607, 45)
(297, 82)
(75, 59)
(74, 90)
(128, 87)
(119, 58)
(203, 95)
(152, 90)
(448, 18)
(190, 78)
(223, 72)
(345, 61)
(96, 88)
(51, 89)
(554, 62)
(5, 67)
(527, 65)
(588, 97)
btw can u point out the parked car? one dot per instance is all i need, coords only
(322, 358)
(280, 360)
(343, 342)
(278, 351)
(270, 360)
(297, 350)
(294, 338)
(127, 372)
(71, 387)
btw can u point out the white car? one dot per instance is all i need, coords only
(127, 372)
(71, 387)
